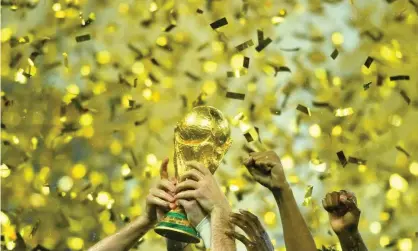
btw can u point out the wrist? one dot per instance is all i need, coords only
(146, 220)
(345, 233)
(279, 188)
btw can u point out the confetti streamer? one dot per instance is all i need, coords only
(199, 11)
(246, 63)
(82, 38)
(376, 35)
(342, 158)
(303, 109)
(368, 62)
(399, 77)
(192, 76)
(236, 73)
(405, 96)
(334, 54)
(248, 137)
(322, 105)
(399, 148)
(170, 27)
(261, 46)
(140, 122)
(308, 196)
(244, 45)
(367, 86)
(290, 49)
(219, 23)
(356, 161)
(235, 95)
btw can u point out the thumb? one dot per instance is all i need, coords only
(163, 169)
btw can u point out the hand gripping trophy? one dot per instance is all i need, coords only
(202, 135)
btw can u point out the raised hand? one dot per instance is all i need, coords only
(161, 197)
(199, 184)
(344, 215)
(266, 169)
(257, 238)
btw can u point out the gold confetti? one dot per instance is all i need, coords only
(304, 109)
(368, 62)
(342, 158)
(235, 95)
(219, 23)
(308, 196)
(82, 38)
(334, 54)
(343, 112)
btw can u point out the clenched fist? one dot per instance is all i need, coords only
(343, 212)
(258, 239)
(266, 169)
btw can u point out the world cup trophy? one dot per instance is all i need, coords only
(202, 135)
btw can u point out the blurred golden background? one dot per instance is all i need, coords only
(91, 92)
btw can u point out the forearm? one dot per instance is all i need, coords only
(219, 225)
(125, 238)
(296, 233)
(352, 242)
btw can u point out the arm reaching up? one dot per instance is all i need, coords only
(199, 184)
(344, 216)
(258, 239)
(159, 200)
(267, 170)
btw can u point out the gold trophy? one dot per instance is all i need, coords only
(202, 135)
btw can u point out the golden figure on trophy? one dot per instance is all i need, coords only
(202, 135)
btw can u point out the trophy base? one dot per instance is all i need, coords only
(175, 226)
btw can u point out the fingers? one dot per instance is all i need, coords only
(329, 203)
(198, 166)
(166, 185)
(192, 174)
(163, 169)
(188, 195)
(187, 204)
(248, 244)
(348, 199)
(187, 185)
(248, 161)
(152, 200)
(253, 219)
(241, 221)
(162, 194)
(259, 176)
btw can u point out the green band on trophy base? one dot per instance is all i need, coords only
(175, 226)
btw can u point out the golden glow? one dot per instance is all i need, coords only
(147, 94)
(4, 219)
(103, 57)
(342, 112)
(337, 38)
(6, 34)
(79, 171)
(405, 244)
(337, 130)
(115, 147)
(362, 168)
(315, 130)
(398, 182)
(19, 77)
(123, 8)
(56, 6)
(138, 67)
(86, 119)
(75, 243)
(209, 87)
(103, 198)
(287, 162)
(153, 7)
(336, 81)
(277, 20)
(65, 183)
(210, 66)
(384, 241)
(237, 61)
(270, 218)
(151, 159)
(162, 41)
(413, 168)
(375, 227)
(85, 70)
(125, 170)
(4, 171)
